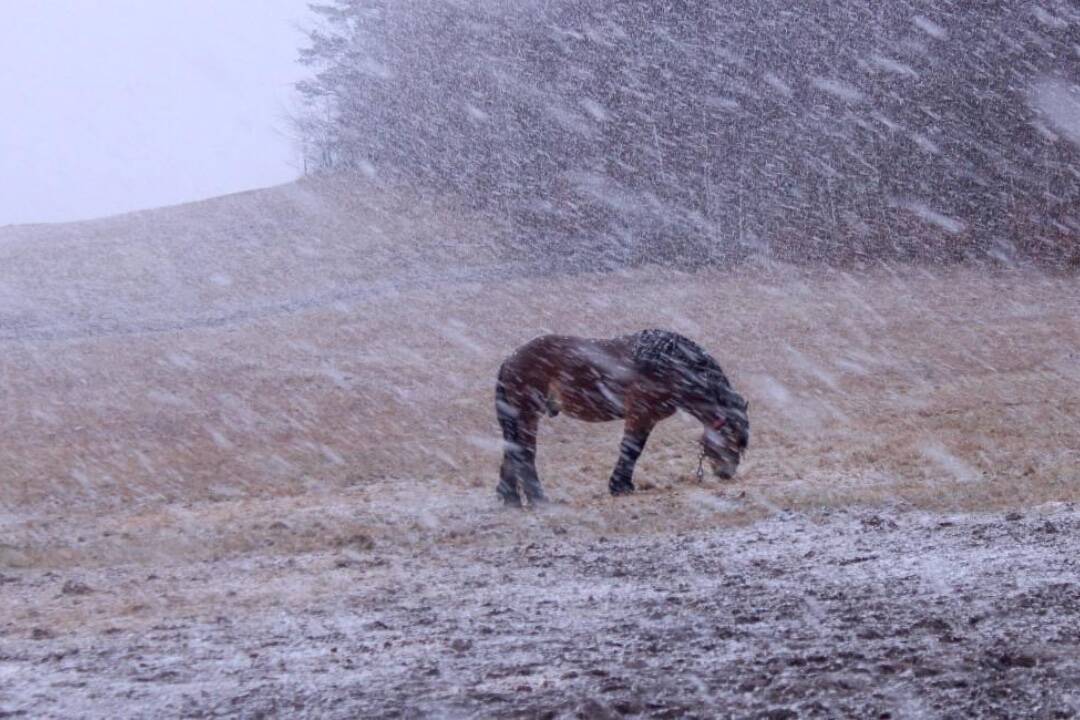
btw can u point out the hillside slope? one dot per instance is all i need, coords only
(248, 452)
(242, 255)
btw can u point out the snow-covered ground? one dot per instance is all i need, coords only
(248, 462)
(826, 614)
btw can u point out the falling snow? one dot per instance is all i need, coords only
(250, 449)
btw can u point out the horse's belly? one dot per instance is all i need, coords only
(598, 404)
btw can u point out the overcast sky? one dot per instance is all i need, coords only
(116, 105)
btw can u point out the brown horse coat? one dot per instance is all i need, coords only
(641, 379)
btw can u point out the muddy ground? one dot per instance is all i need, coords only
(825, 614)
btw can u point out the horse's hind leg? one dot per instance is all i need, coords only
(530, 481)
(508, 480)
(519, 468)
(508, 416)
(518, 471)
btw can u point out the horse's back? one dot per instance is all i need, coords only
(584, 377)
(556, 353)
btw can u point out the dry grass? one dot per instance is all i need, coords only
(951, 390)
(329, 459)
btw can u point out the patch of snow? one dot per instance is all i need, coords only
(838, 88)
(1059, 102)
(893, 66)
(952, 225)
(930, 27)
(778, 85)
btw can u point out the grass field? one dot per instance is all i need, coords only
(246, 426)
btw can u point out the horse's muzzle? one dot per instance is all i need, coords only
(725, 467)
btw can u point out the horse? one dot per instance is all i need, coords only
(640, 379)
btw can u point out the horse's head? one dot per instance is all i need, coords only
(727, 433)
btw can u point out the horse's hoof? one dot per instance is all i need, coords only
(617, 490)
(509, 501)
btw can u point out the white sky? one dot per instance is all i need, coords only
(115, 105)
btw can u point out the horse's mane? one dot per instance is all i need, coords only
(663, 350)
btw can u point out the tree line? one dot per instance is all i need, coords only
(629, 131)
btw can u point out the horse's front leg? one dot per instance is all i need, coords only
(633, 442)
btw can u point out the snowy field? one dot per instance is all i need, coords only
(248, 470)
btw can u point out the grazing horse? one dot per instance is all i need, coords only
(641, 379)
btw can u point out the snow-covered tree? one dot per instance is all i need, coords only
(638, 130)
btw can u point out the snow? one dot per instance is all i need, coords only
(924, 211)
(1060, 102)
(250, 444)
(893, 66)
(838, 88)
(778, 85)
(930, 27)
(846, 610)
(949, 462)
